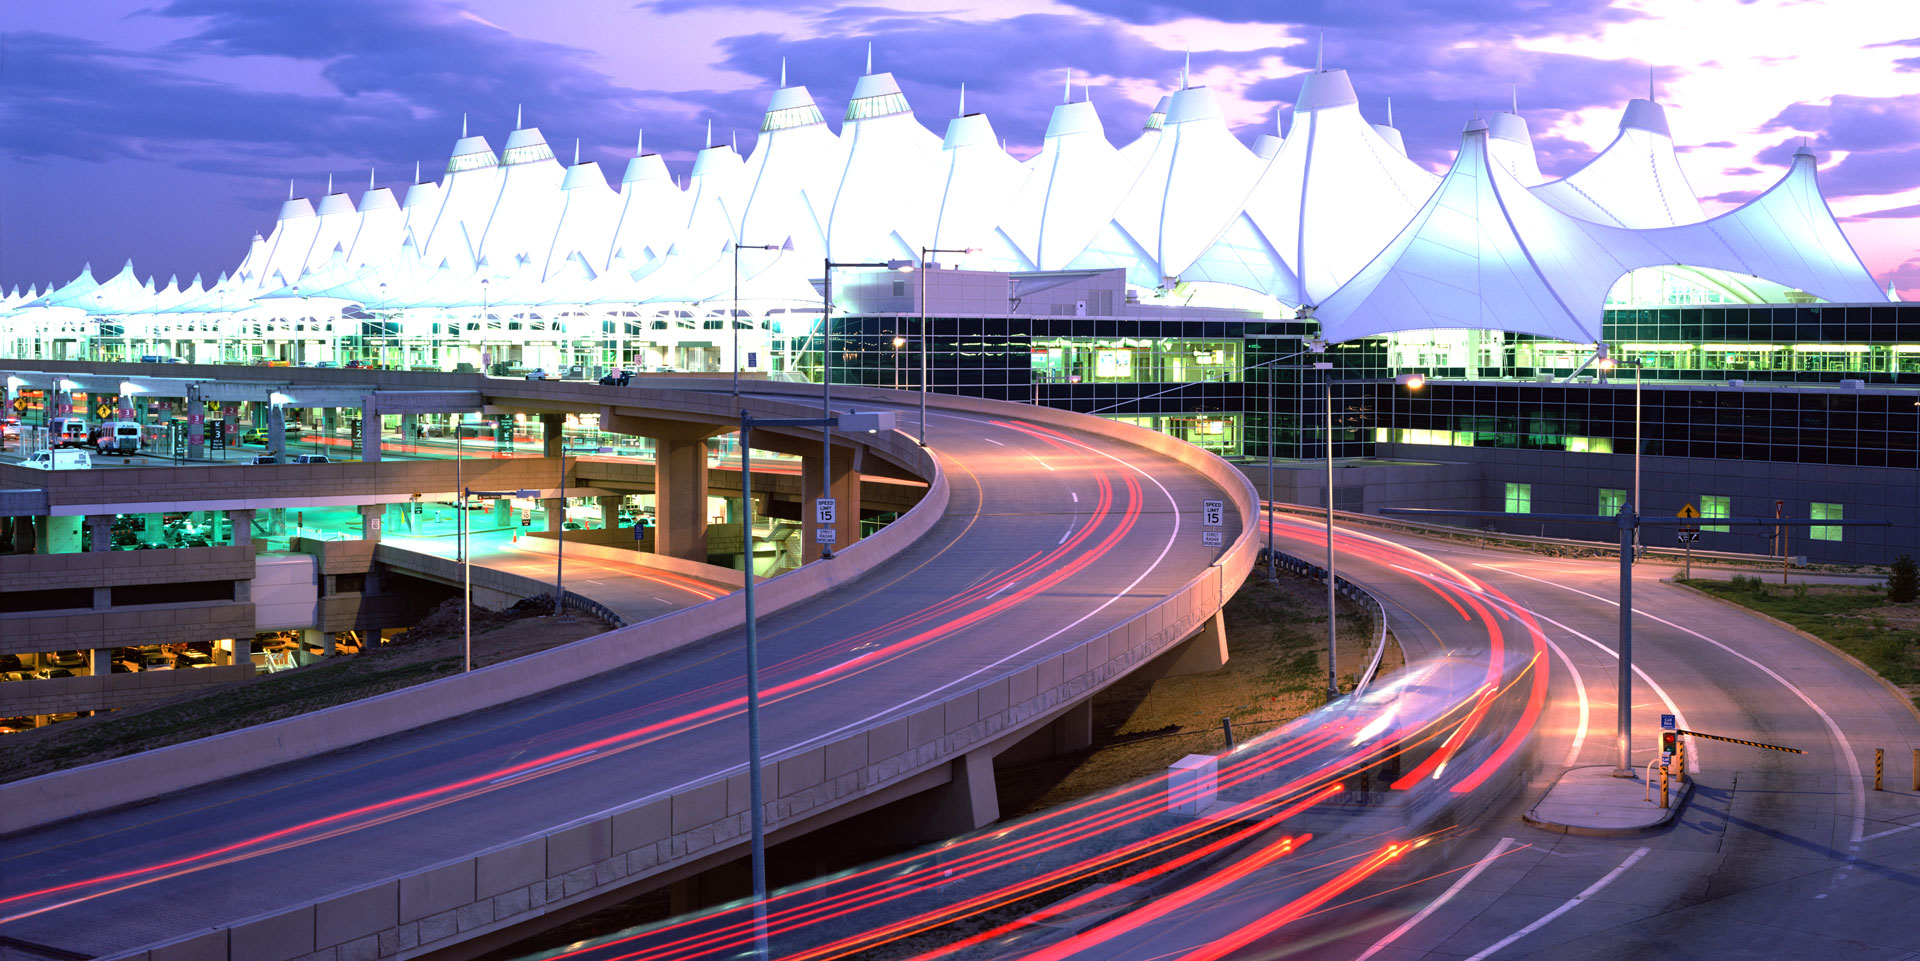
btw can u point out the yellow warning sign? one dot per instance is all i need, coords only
(1687, 511)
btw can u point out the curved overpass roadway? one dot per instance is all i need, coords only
(1063, 559)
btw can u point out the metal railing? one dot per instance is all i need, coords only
(592, 608)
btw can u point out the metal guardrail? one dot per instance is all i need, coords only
(592, 608)
(1300, 567)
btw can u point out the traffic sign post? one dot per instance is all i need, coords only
(1213, 538)
(824, 535)
(1213, 513)
(1687, 535)
(823, 511)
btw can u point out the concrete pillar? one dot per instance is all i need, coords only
(100, 661)
(1073, 731)
(970, 801)
(243, 650)
(409, 428)
(320, 639)
(99, 532)
(610, 512)
(62, 535)
(370, 521)
(1205, 651)
(845, 491)
(551, 438)
(680, 486)
(153, 530)
(241, 522)
(329, 420)
(502, 513)
(276, 429)
(277, 521)
(369, 428)
(196, 424)
(556, 512)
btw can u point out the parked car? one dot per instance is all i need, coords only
(156, 662)
(70, 659)
(538, 373)
(324, 364)
(49, 673)
(264, 459)
(190, 659)
(311, 459)
(59, 460)
(618, 378)
(9, 662)
(258, 435)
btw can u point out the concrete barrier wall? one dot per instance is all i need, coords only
(517, 882)
(60, 694)
(95, 787)
(726, 576)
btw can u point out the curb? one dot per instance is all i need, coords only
(1898, 694)
(1679, 801)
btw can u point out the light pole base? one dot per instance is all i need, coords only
(1625, 772)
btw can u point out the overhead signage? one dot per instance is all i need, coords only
(1688, 512)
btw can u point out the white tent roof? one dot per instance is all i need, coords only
(1510, 144)
(339, 225)
(884, 202)
(1486, 253)
(1335, 192)
(588, 209)
(652, 213)
(1074, 185)
(382, 226)
(789, 179)
(468, 197)
(289, 246)
(1192, 187)
(1635, 182)
(977, 182)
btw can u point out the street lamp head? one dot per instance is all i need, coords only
(1411, 381)
(899, 342)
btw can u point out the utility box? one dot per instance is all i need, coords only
(1193, 784)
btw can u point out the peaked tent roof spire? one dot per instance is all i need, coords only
(370, 180)
(1320, 53)
(963, 99)
(1389, 111)
(1186, 67)
(463, 126)
(416, 171)
(783, 71)
(576, 151)
(1516, 98)
(329, 184)
(869, 56)
(289, 188)
(519, 110)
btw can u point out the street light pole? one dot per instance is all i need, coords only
(466, 562)
(925, 266)
(733, 319)
(1325, 367)
(826, 376)
(756, 817)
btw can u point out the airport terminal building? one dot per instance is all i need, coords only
(1181, 279)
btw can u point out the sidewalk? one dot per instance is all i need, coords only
(1590, 801)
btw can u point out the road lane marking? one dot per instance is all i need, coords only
(1833, 727)
(1693, 749)
(1069, 533)
(1076, 496)
(993, 442)
(1574, 902)
(1579, 685)
(1037, 460)
(1891, 831)
(569, 759)
(1437, 903)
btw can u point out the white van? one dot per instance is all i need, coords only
(68, 432)
(117, 436)
(59, 460)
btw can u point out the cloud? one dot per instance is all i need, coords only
(1733, 197)
(1891, 213)
(1742, 171)
(1471, 16)
(1907, 65)
(1710, 145)
(1860, 123)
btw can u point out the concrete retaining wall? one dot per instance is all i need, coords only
(60, 694)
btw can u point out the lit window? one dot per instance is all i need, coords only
(1611, 501)
(1713, 505)
(1825, 512)
(880, 106)
(790, 117)
(1519, 498)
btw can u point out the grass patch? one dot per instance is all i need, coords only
(1857, 619)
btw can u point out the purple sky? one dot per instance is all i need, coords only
(167, 132)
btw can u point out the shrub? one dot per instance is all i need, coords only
(1903, 582)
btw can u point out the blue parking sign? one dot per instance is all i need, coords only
(1666, 722)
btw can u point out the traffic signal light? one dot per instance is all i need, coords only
(1669, 740)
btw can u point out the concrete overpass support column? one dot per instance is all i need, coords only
(409, 428)
(196, 423)
(970, 801)
(1205, 651)
(369, 428)
(610, 512)
(502, 513)
(1073, 731)
(551, 438)
(680, 486)
(556, 512)
(845, 491)
(276, 429)
(242, 650)
(329, 420)
(370, 521)
(62, 535)
(241, 523)
(320, 639)
(99, 532)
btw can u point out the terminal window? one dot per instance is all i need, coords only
(1519, 498)
(1714, 505)
(1611, 501)
(1825, 512)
